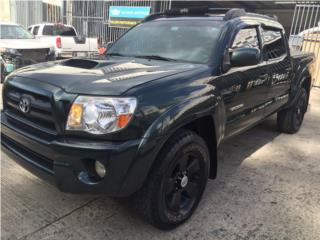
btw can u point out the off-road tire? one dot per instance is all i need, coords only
(289, 120)
(151, 201)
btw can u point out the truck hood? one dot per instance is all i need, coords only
(101, 77)
(33, 43)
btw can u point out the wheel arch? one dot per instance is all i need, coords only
(304, 81)
(198, 115)
(205, 128)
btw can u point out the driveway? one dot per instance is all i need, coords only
(268, 187)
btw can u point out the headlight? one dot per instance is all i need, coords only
(100, 115)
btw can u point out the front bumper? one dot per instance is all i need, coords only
(63, 162)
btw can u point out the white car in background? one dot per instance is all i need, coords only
(67, 42)
(19, 48)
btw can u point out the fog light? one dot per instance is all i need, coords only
(100, 169)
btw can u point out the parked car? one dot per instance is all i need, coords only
(67, 42)
(147, 120)
(19, 48)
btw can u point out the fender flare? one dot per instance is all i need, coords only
(303, 77)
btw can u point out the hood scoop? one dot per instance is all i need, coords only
(80, 63)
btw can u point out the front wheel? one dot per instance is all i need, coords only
(290, 120)
(176, 182)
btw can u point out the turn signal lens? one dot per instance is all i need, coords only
(123, 120)
(75, 115)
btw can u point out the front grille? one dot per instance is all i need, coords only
(39, 116)
(33, 56)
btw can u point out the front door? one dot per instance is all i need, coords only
(244, 88)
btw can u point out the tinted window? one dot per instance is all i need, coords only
(192, 41)
(274, 46)
(246, 38)
(35, 30)
(14, 32)
(61, 30)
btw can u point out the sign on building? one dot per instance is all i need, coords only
(121, 16)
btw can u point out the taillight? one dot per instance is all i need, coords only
(58, 42)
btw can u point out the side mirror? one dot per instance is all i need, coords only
(245, 57)
(109, 45)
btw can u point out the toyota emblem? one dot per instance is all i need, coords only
(24, 105)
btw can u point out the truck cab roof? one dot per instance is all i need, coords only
(216, 14)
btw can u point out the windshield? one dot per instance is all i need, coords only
(14, 32)
(61, 30)
(191, 41)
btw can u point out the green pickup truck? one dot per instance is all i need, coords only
(146, 121)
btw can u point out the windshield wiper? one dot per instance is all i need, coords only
(155, 57)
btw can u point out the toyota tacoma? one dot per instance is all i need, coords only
(146, 121)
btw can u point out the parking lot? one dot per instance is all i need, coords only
(268, 187)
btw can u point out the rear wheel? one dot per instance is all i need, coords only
(176, 183)
(290, 120)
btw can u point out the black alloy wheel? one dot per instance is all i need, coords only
(290, 119)
(183, 183)
(176, 182)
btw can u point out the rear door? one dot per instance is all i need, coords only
(275, 53)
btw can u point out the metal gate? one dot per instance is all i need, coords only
(90, 18)
(26, 12)
(305, 34)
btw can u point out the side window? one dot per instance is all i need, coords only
(35, 30)
(29, 29)
(246, 37)
(273, 44)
